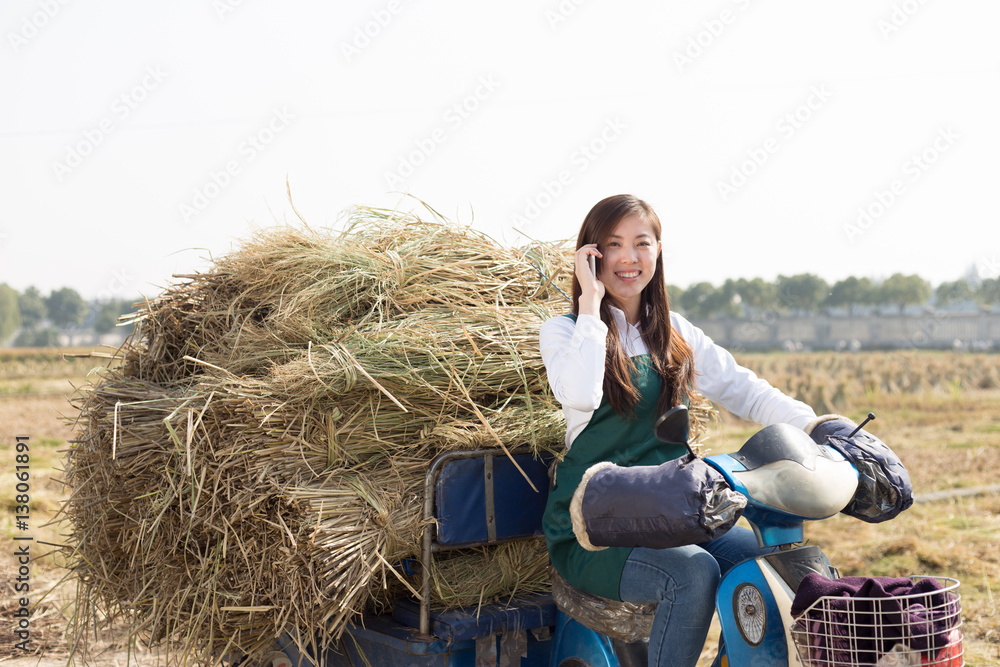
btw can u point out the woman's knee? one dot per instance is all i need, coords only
(683, 573)
(704, 572)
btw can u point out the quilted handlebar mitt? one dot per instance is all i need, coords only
(680, 502)
(884, 488)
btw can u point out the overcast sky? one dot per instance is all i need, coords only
(860, 137)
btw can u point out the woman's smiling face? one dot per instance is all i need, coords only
(629, 262)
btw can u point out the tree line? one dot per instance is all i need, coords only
(805, 293)
(39, 319)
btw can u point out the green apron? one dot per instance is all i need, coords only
(624, 442)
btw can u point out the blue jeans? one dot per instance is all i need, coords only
(683, 581)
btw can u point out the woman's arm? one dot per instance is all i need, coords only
(573, 354)
(736, 388)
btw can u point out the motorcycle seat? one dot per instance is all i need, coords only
(787, 471)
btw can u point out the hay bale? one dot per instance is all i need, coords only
(255, 464)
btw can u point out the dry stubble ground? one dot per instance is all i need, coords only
(949, 440)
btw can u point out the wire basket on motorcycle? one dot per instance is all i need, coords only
(880, 621)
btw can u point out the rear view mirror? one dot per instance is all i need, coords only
(673, 426)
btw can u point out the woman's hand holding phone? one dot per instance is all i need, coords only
(592, 289)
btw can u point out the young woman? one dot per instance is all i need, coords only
(617, 362)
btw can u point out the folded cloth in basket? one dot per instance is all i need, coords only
(902, 656)
(870, 615)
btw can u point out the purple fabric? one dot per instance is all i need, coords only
(871, 616)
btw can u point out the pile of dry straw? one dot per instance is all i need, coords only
(255, 463)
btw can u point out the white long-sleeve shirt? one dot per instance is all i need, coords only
(574, 357)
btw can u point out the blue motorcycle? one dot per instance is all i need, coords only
(484, 497)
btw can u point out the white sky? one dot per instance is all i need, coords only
(174, 90)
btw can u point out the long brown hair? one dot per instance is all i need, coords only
(671, 355)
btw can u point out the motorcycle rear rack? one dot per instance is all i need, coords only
(476, 479)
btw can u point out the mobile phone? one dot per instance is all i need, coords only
(593, 265)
